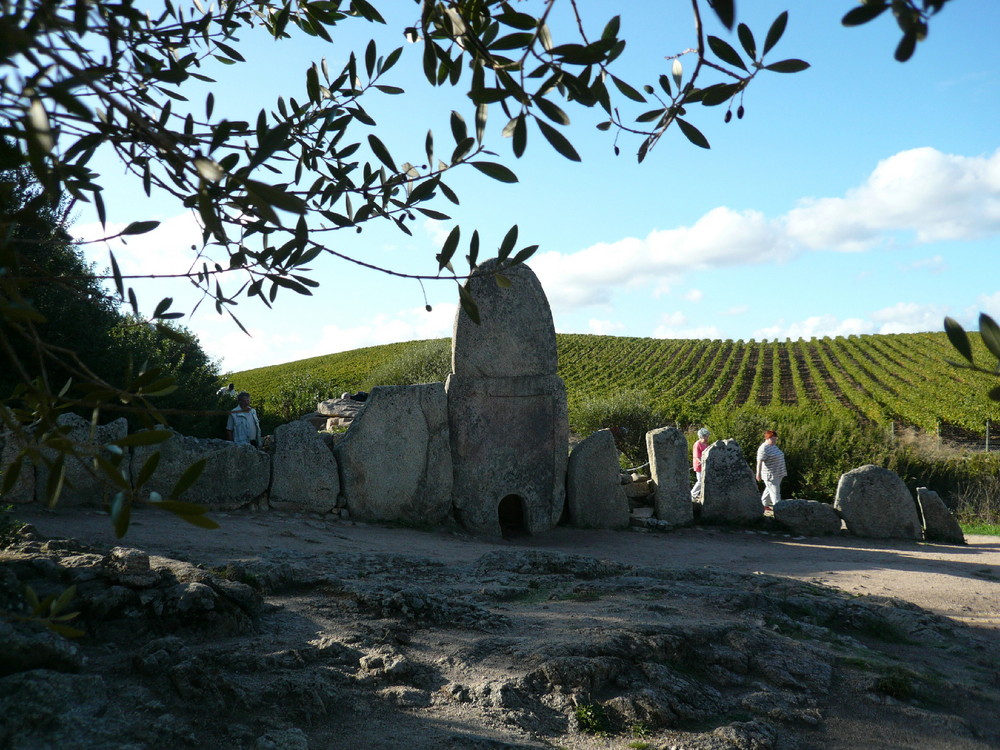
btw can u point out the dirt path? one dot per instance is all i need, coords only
(961, 582)
(373, 636)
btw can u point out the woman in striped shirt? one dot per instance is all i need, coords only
(770, 469)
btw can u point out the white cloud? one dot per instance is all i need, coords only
(934, 265)
(903, 317)
(604, 327)
(816, 326)
(909, 317)
(990, 304)
(675, 326)
(921, 195)
(693, 295)
(736, 310)
(924, 192)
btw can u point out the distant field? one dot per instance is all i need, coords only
(902, 379)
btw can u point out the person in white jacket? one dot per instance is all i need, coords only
(243, 426)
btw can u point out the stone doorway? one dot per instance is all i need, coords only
(510, 513)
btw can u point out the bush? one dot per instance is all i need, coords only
(296, 396)
(630, 414)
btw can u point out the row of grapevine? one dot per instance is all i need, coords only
(905, 379)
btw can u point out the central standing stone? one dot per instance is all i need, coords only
(507, 406)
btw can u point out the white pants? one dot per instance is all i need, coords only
(772, 492)
(696, 490)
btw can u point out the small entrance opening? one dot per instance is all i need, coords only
(511, 515)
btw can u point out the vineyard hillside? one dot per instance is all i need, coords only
(899, 380)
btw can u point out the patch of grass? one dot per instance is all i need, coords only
(896, 683)
(639, 745)
(8, 524)
(981, 529)
(591, 718)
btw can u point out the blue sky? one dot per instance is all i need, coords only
(859, 196)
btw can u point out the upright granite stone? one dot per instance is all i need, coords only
(730, 494)
(938, 522)
(807, 517)
(395, 460)
(83, 486)
(875, 503)
(234, 475)
(594, 493)
(668, 463)
(507, 406)
(303, 470)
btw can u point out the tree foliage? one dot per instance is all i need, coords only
(83, 79)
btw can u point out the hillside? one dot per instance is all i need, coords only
(900, 379)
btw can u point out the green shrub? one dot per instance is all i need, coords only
(629, 414)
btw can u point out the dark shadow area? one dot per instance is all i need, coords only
(510, 512)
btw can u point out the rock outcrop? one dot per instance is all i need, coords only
(874, 502)
(668, 464)
(396, 461)
(595, 496)
(730, 494)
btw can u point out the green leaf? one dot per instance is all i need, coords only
(557, 140)
(551, 111)
(523, 254)
(725, 52)
(203, 522)
(958, 338)
(864, 13)
(906, 47)
(65, 630)
(990, 333)
(509, 240)
(189, 477)
(482, 110)
(458, 129)
(726, 12)
(449, 248)
(787, 66)
(502, 281)
(121, 512)
(140, 227)
(278, 197)
(230, 52)
(692, 133)
(627, 90)
(148, 468)
(468, 304)
(63, 601)
(747, 40)
(380, 151)
(496, 171)
(718, 93)
(776, 31)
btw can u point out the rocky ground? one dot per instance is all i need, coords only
(290, 631)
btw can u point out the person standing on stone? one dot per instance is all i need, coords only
(770, 469)
(243, 426)
(696, 462)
